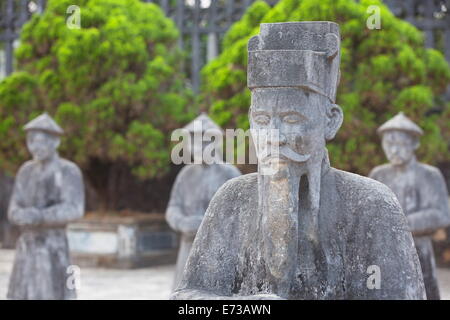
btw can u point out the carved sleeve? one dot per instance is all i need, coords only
(18, 213)
(174, 213)
(383, 262)
(71, 206)
(436, 214)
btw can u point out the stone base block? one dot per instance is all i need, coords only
(128, 241)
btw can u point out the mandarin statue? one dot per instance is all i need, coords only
(48, 193)
(298, 228)
(420, 189)
(195, 185)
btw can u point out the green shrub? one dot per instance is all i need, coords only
(382, 72)
(115, 85)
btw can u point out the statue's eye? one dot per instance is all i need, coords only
(261, 119)
(292, 118)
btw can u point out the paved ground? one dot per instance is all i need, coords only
(150, 283)
(96, 284)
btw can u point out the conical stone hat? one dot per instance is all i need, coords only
(44, 123)
(401, 123)
(202, 124)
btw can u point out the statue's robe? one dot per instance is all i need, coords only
(193, 189)
(423, 195)
(42, 252)
(361, 224)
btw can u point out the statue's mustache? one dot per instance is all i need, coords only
(287, 154)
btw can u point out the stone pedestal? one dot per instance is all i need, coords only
(122, 241)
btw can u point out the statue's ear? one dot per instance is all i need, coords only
(416, 142)
(335, 116)
(57, 142)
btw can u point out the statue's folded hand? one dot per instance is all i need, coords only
(26, 217)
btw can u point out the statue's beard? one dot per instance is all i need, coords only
(294, 186)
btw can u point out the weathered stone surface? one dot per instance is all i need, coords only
(420, 188)
(48, 193)
(299, 229)
(194, 187)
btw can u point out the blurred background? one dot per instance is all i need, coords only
(120, 75)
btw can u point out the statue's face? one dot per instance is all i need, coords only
(399, 147)
(42, 145)
(296, 117)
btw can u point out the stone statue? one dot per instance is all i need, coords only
(298, 228)
(420, 188)
(8, 233)
(48, 193)
(194, 187)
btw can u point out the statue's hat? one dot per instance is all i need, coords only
(296, 54)
(44, 123)
(402, 123)
(202, 124)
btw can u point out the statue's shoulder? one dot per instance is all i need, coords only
(69, 167)
(429, 171)
(229, 169)
(26, 167)
(365, 194)
(186, 170)
(380, 170)
(236, 194)
(239, 187)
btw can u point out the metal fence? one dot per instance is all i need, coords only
(13, 14)
(204, 22)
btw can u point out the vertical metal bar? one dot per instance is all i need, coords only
(409, 6)
(213, 46)
(229, 12)
(179, 20)
(165, 6)
(213, 15)
(9, 33)
(447, 42)
(41, 6)
(429, 26)
(2, 64)
(212, 49)
(196, 48)
(23, 13)
(446, 34)
(429, 38)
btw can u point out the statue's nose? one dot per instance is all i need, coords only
(276, 138)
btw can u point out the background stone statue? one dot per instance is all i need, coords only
(298, 228)
(420, 188)
(48, 193)
(194, 187)
(8, 232)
